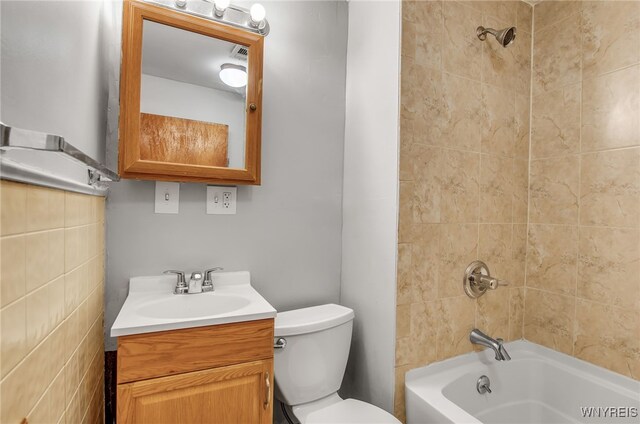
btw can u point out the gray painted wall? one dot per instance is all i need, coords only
(287, 232)
(53, 77)
(370, 202)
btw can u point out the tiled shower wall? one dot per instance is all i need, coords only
(51, 305)
(573, 231)
(463, 176)
(583, 257)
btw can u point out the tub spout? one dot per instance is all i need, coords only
(479, 338)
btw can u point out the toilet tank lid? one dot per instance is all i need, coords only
(312, 319)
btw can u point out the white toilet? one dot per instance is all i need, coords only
(310, 366)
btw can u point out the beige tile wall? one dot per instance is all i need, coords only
(51, 305)
(583, 260)
(463, 176)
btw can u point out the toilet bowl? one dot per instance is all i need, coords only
(312, 347)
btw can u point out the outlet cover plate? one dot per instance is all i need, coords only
(221, 200)
(167, 197)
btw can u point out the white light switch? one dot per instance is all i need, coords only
(221, 200)
(167, 197)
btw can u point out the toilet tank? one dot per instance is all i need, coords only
(312, 363)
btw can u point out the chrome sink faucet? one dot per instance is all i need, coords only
(197, 282)
(479, 338)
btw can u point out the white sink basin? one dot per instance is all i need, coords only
(151, 305)
(192, 306)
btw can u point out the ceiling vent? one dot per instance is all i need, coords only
(240, 52)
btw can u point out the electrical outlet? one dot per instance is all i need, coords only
(221, 200)
(167, 197)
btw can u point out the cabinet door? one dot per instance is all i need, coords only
(234, 394)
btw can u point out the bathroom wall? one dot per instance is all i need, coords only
(370, 197)
(53, 77)
(51, 305)
(287, 231)
(583, 261)
(163, 96)
(464, 144)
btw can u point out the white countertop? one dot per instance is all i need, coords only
(151, 305)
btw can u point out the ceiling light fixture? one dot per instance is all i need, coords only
(233, 75)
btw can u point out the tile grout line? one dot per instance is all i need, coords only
(526, 255)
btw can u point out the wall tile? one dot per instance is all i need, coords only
(496, 189)
(461, 53)
(43, 322)
(37, 258)
(12, 269)
(548, 319)
(610, 36)
(13, 344)
(424, 262)
(457, 319)
(421, 109)
(556, 122)
(427, 169)
(608, 337)
(492, 315)
(522, 109)
(405, 289)
(552, 258)
(38, 324)
(458, 248)
(524, 17)
(463, 114)
(422, 34)
(610, 110)
(459, 188)
(554, 190)
(500, 65)
(520, 190)
(424, 331)
(516, 313)
(495, 248)
(499, 129)
(38, 217)
(609, 266)
(522, 54)
(556, 55)
(13, 213)
(549, 12)
(610, 188)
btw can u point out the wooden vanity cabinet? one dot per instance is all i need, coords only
(216, 374)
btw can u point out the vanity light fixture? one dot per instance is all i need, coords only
(257, 13)
(233, 75)
(219, 6)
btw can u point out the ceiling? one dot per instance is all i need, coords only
(186, 56)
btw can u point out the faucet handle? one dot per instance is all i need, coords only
(494, 283)
(180, 275)
(208, 272)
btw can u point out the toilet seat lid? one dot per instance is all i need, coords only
(350, 411)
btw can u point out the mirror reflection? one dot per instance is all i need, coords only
(192, 99)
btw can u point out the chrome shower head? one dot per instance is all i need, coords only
(504, 36)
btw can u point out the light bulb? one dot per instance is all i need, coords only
(233, 75)
(257, 13)
(219, 6)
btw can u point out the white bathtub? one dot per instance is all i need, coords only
(538, 385)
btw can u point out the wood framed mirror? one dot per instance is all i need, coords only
(190, 98)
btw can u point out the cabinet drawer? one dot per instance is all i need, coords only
(144, 356)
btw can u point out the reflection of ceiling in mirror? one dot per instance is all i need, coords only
(186, 56)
